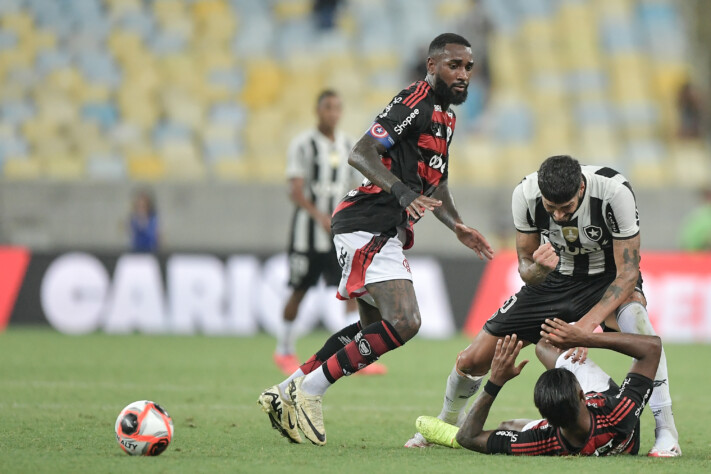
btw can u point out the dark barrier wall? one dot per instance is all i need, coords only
(185, 293)
(79, 292)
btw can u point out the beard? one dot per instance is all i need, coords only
(448, 94)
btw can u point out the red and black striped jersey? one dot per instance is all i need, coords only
(614, 428)
(416, 132)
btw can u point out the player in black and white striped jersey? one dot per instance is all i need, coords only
(319, 176)
(578, 242)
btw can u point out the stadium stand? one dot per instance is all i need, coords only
(201, 89)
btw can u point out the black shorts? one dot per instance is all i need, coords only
(558, 296)
(306, 268)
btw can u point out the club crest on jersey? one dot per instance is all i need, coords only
(592, 232)
(570, 234)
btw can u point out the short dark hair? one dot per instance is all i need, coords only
(437, 45)
(559, 178)
(556, 397)
(325, 94)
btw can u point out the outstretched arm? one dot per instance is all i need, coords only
(448, 215)
(646, 350)
(627, 259)
(365, 157)
(503, 368)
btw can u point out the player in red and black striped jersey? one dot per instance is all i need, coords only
(592, 424)
(404, 156)
(412, 136)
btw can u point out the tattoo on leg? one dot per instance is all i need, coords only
(398, 305)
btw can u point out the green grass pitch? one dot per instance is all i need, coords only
(60, 395)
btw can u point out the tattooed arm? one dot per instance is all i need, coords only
(627, 263)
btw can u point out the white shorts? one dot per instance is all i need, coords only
(369, 258)
(590, 376)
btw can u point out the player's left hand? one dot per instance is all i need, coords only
(579, 354)
(503, 365)
(562, 335)
(473, 239)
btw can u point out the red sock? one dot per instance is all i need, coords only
(366, 347)
(332, 346)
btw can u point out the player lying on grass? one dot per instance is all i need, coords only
(584, 411)
(578, 247)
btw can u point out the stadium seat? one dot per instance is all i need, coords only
(22, 169)
(66, 167)
(102, 78)
(146, 167)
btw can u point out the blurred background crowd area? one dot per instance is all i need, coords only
(208, 93)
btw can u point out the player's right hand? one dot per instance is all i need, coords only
(546, 257)
(503, 365)
(418, 207)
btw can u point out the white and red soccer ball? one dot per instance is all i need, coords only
(144, 428)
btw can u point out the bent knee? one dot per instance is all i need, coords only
(408, 325)
(473, 362)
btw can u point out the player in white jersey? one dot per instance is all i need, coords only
(578, 243)
(319, 175)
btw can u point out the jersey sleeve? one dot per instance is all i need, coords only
(621, 214)
(541, 441)
(519, 208)
(399, 120)
(629, 402)
(296, 160)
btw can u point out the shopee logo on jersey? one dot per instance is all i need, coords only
(406, 123)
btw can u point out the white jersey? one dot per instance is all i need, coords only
(323, 165)
(607, 212)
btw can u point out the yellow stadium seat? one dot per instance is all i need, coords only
(146, 167)
(64, 167)
(231, 170)
(43, 39)
(166, 11)
(648, 175)
(263, 83)
(140, 111)
(453, 9)
(124, 44)
(20, 22)
(119, 7)
(21, 57)
(668, 78)
(22, 169)
(285, 10)
(690, 163)
(475, 161)
(615, 8)
(269, 169)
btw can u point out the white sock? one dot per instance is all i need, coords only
(285, 338)
(460, 388)
(283, 386)
(633, 319)
(315, 383)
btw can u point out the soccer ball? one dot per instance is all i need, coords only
(144, 428)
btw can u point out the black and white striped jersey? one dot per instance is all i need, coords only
(323, 165)
(608, 211)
